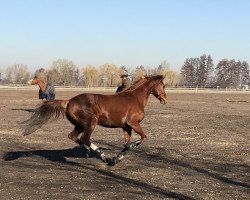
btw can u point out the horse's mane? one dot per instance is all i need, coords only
(136, 84)
(141, 81)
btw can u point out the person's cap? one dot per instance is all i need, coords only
(124, 76)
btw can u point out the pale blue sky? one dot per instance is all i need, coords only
(122, 32)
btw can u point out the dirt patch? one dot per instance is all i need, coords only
(197, 148)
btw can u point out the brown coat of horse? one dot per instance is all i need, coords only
(121, 110)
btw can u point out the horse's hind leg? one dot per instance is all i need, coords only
(91, 146)
(73, 135)
(85, 140)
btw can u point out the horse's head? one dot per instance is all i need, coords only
(33, 81)
(159, 89)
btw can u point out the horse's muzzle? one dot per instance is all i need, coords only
(163, 101)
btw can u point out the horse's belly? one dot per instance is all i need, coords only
(111, 123)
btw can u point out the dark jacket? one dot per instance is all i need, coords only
(48, 93)
(121, 88)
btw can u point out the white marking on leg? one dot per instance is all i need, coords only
(120, 157)
(86, 146)
(94, 147)
(98, 151)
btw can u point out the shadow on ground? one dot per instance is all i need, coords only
(78, 152)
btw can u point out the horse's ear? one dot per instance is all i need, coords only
(162, 77)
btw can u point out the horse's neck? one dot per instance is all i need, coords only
(142, 93)
(42, 85)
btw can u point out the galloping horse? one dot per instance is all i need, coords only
(121, 110)
(46, 91)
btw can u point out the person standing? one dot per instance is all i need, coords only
(124, 84)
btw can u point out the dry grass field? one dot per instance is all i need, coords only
(198, 147)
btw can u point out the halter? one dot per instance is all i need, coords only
(158, 96)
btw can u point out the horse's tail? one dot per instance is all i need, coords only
(42, 114)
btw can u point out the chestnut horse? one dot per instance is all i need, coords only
(46, 91)
(121, 110)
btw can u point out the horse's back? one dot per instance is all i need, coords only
(110, 103)
(83, 101)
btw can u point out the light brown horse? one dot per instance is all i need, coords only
(46, 91)
(121, 110)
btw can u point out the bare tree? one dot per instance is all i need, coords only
(139, 72)
(1, 73)
(110, 74)
(17, 74)
(245, 74)
(77, 76)
(172, 78)
(54, 77)
(163, 68)
(67, 71)
(123, 70)
(90, 75)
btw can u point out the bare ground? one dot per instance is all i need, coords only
(198, 147)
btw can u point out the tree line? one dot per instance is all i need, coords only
(64, 72)
(195, 72)
(201, 72)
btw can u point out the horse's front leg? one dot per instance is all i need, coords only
(127, 133)
(137, 128)
(128, 144)
(127, 136)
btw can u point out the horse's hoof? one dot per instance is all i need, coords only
(103, 158)
(135, 143)
(116, 160)
(112, 161)
(100, 154)
(127, 145)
